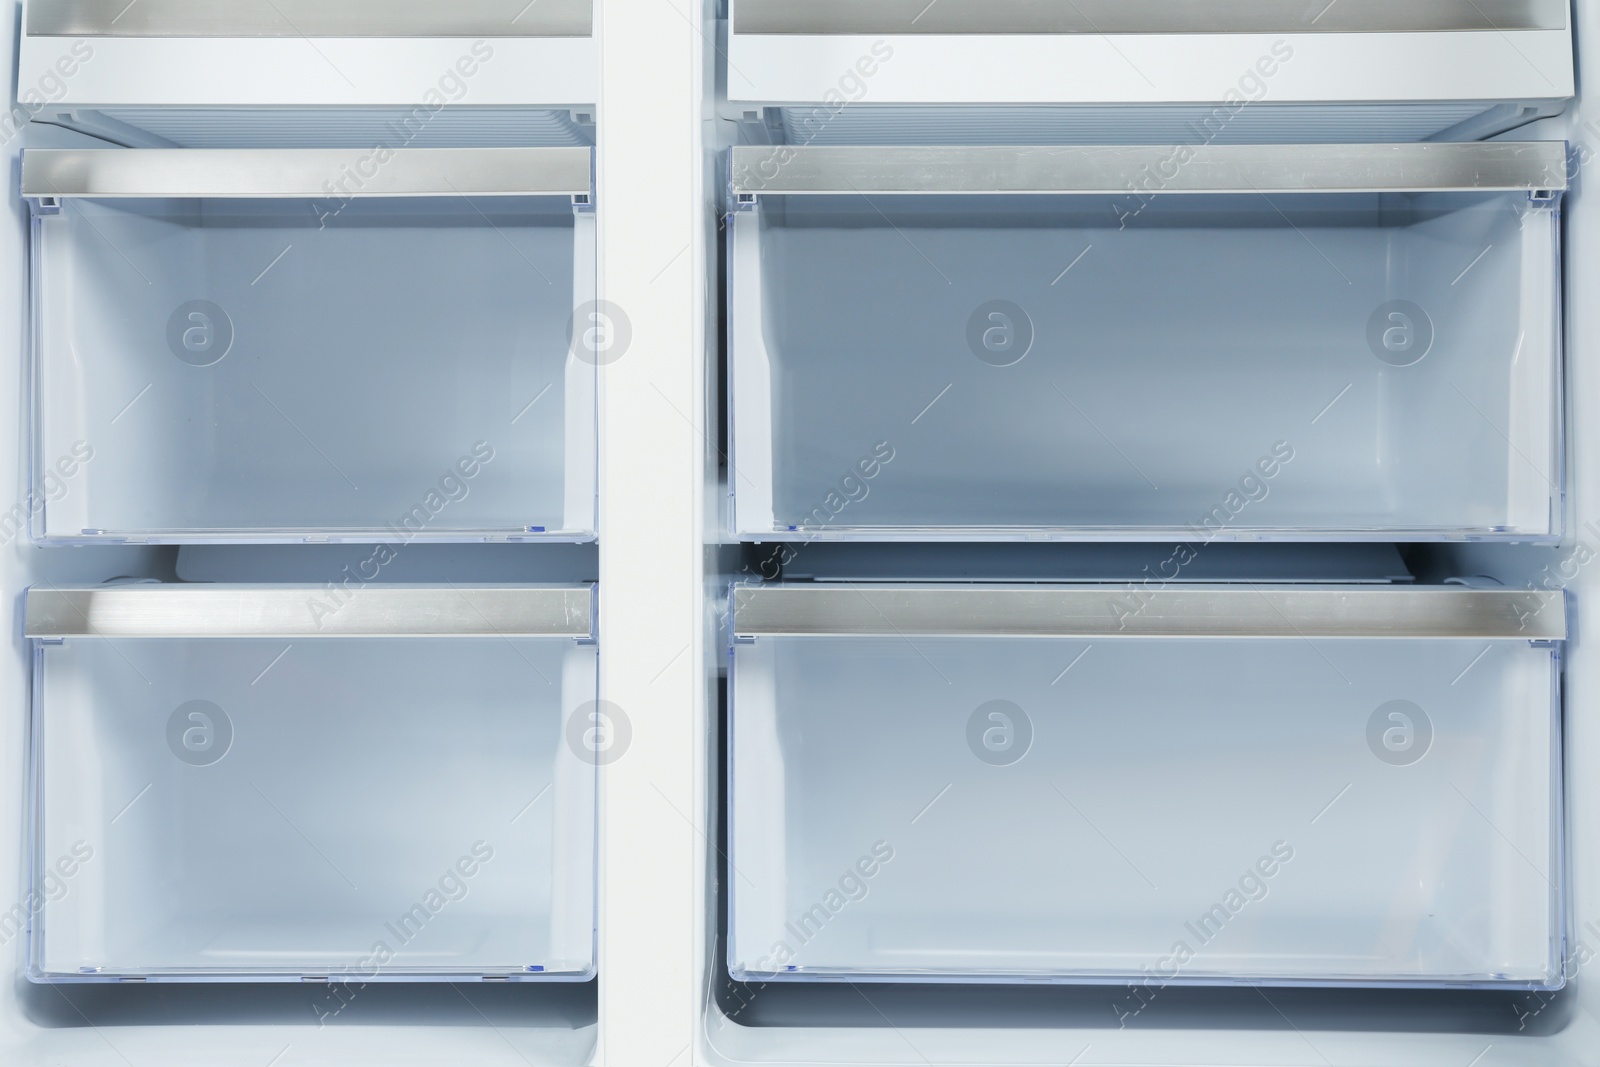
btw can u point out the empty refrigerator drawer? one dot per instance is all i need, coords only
(264, 783)
(261, 345)
(1278, 785)
(1314, 342)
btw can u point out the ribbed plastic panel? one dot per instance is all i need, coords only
(453, 127)
(859, 124)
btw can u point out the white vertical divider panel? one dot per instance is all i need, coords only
(652, 442)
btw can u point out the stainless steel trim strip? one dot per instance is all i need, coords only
(305, 173)
(1148, 170)
(1142, 16)
(311, 18)
(1109, 611)
(291, 611)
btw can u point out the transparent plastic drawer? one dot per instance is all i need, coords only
(1263, 784)
(272, 345)
(1223, 343)
(260, 784)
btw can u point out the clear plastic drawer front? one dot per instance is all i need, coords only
(312, 345)
(1334, 342)
(225, 789)
(1049, 796)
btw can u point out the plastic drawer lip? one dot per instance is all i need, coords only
(1201, 611)
(1535, 166)
(310, 18)
(285, 611)
(303, 173)
(768, 17)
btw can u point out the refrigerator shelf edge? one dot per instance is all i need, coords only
(309, 18)
(305, 173)
(227, 611)
(389, 73)
(1091, 611)
(768, 17)
(1499, 166)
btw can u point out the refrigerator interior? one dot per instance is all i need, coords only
(873, 743)
(666, 985)
(359, 785)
